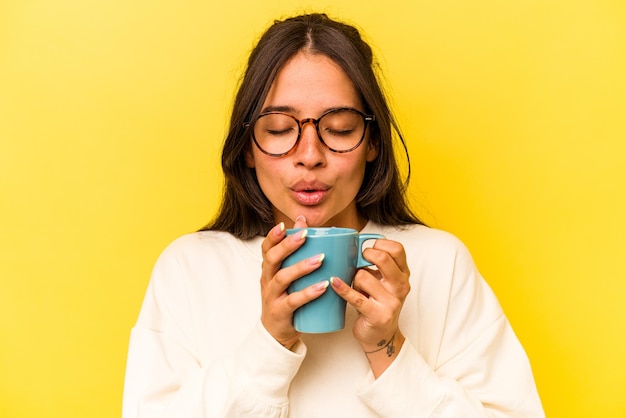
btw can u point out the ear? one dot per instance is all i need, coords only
(249, 158)
(372, 149)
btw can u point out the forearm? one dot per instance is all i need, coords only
(410, 387)
(484, 380)
(252, 379)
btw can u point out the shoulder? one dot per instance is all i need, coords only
(421, 238)
(193, 258)
(430, 249)
(209, 244)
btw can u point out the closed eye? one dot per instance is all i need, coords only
(339, 132)
(280, 132)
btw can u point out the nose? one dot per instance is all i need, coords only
(310, 151)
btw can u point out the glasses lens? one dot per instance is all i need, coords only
(342, 130)
(276, 133)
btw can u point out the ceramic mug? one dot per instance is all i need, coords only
(343, 254)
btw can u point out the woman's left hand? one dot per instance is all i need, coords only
(378, 297)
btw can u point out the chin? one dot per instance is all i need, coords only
(328, 222)
(315, 220)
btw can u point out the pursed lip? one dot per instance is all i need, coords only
(309, 193)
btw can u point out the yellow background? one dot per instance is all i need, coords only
(111, 119)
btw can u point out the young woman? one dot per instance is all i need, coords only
(311, 144)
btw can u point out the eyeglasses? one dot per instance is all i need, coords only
(340, 130)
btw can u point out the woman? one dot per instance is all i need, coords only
(310, 144)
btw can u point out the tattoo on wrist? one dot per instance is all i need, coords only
(383, 344)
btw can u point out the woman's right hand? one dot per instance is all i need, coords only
(278, 306)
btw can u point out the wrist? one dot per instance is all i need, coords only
(392, 343)
(381, 355)
(386, 345)
(288, 344)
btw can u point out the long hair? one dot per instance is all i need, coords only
(245, 211)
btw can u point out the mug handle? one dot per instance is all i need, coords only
(360, 261)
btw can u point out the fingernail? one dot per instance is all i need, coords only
(317, 259)
(300, 218)
(321, 285)
(301, 235)
(280, 228)
(336, 282)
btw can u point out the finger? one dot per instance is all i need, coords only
(375, 289)
(390, 259)
(360, 302)
(381, 309)
(300, 222)
(384, 262)
(306, 295)
(395, 250)
(284, 277)
(390, 275)
(276, 253)
(276, 235)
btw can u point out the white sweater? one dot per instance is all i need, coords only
(199, 349)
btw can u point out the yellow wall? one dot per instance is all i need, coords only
(112, 114)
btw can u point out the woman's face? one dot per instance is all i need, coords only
(312, 180)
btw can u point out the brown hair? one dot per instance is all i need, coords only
(245, 211)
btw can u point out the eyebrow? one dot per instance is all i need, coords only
(292, 110)
(287, 109)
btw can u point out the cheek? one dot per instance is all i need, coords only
(352, 172)
(268, 175)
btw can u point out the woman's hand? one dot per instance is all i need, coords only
(278, 306)
(378, 297)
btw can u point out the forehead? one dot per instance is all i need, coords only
(312, 83)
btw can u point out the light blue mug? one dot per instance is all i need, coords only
(343, 254)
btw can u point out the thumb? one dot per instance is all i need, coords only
(300, 222)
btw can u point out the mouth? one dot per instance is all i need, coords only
(310, 194)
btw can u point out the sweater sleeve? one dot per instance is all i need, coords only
(165, 376)
(481, 369)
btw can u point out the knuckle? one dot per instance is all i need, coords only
(359, 301)
(386, 320)
(290, 303)
(281, 280)
(394, 307)
(397, 249)
(380, 257)
(404, 287)
(270, 259)
(360, 277)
